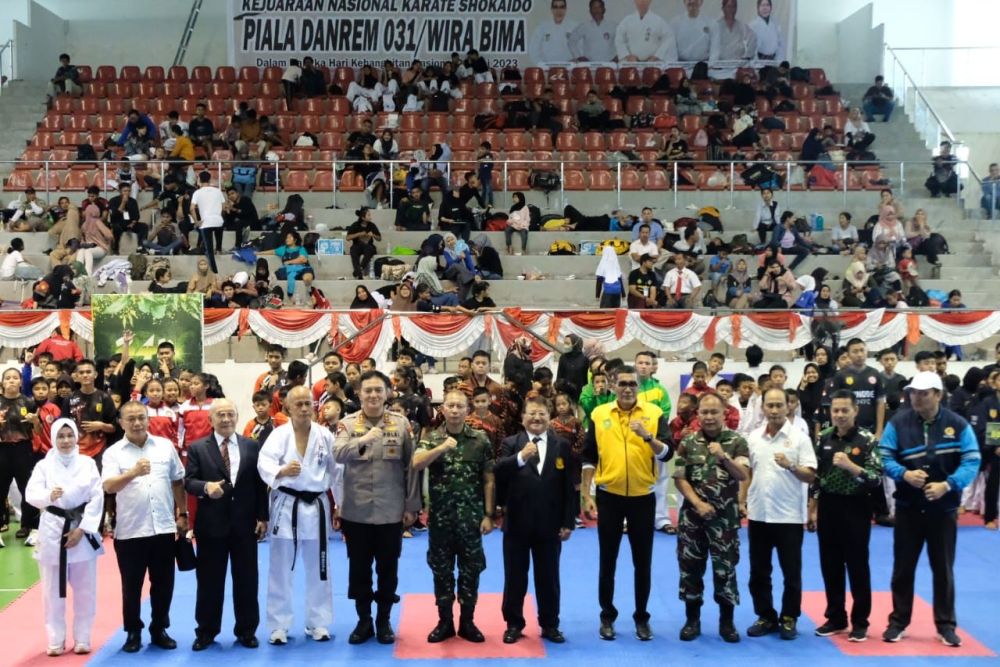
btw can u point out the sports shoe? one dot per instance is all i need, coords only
(2, 545)
(949, 638)
(418, 526)
(893, 634)
(54, 651)
(278, 638)
(81, 648)
(858, 635)
(787, 628)
(762, 626)
(318, 634)
(830, 628)
(32, 538)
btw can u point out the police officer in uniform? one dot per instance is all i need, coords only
(708, 469)
(380, 498)
(460, 463)
(848, 467)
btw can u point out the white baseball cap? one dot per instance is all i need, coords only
(241, 278)
(925, 380)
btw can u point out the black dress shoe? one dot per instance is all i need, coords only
(607, 630)
(22, 533)
(442, 631)
(468, 631)
(643, 632)
(162, 640)
(511, 635)
(553, 635)
(363, 631)
(384, 633)
(202, 643)
(133, 642)
(248, 641)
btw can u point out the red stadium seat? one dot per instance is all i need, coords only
(86, 73)
(690, 124)
(574, 180)
(605, 76)
(541, 140)
(106, 73)
(647, 140)
(333, 141)
(53, 122)
(618, 140)
(436, 122)
(657, 179)
(325, 160)
(202, 74)
(116, 106)
(323, 181)
(78, 122)
(631, 179)
(543, 161)
(178, 74)
(285, 123)
(558, 74)
(49, 183)
(516, 140)
(32, 158)
(153, 74)
(408, 141)
(462, 123)
(78, 180)
(19, 180)
(221, 89)
(271, 74)
(270, 89)
(250, 74)
(560, 90)
(130, 74)
(662, 105)
(801, 91)
(94, 89)
(650, 75)
(601, 179)
(534, 75)
(517, 179)
(636, 105)
(334, 123)
(245, 90)
(314, 106)
(594, 141)
(296, 181)
(463, 141)
(351, 181)
(569, 141)
(495, 137)
(119, 90)
(436, 138)
(342, 76)
(580, 75)
(226, 74)
(311, 124)
(148, 89)
(64, 104)
(74, 138)
(629, 77)
(486, 90)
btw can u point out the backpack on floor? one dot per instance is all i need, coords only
(620, 246)
(153, 265)
(138, 264)
(562, 248)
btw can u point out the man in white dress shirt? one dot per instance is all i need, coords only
(552, 39)
(732, 40)
(783, 464)
(145, 475)
(693, 32)
(645, 37)
(681, 285)
(297, 463)
(594, 40)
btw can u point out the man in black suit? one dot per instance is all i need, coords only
(534, 470)
(232, 516)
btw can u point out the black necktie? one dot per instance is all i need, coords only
(538, 456)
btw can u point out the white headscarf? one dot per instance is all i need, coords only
(65, 459)
(807, 283)
(609, 268)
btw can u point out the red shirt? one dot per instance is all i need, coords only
(60, 348)
(41, 442)
(195, 423)
(163, 422)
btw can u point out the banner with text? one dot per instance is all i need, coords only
(508, 33)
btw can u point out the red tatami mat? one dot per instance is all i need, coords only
(419, 616)
(920, 639)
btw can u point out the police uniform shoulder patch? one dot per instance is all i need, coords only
(849, 381)
(560, 464)
(949, 432)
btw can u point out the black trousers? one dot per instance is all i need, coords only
(877, 504)
(206, 240)
(543, 554)
(361, 255)
(612, 511)
(380, 544)
(214, 553)
(992, 494)
(913, 529)
(16, 464)
(844, 529)
(136, 557)
(786, 539)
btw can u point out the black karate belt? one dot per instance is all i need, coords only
(69, 517)
(766, 56)
(308, 497)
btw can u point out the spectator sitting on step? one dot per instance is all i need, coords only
(137, 120)
(239, 214)
(777, 288)
(844, 236)
(366, 91)
(674, 150)
(545, 114)
(439, 169)
(592, 115)
(454, 215)
(139, 145)
(681, 285)
(990, 200)
(456, 251)
(125, 217)
(270, 133)
(125, 175)
(27, 213)
(231, 136)
(225, 297)
(161, 283)
(657, 233)
(427, 268)
(95, 239)
(183, 149)
(943, 179)
(204, 281)
(480, 301)
(413, 214)
(64, 232)
(251, 135)
(165, 238)
(66, 80)
(889, 229)
(15, 266)
(857, 133)
(878, 99)
(294, 263)
(643, 245)
(745, 133)
(487, 258)
(481, 72)
(518, 220)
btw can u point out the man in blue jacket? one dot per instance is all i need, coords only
(932, 454)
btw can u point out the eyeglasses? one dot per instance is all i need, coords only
(627, 385)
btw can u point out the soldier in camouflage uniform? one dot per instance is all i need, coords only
(708, 469)
(460, 463)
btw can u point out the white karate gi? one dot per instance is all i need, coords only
(319, 473)
(81, 484)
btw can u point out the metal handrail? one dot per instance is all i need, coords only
(783, 168)
(4, 48)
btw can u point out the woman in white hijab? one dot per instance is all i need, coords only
(66, 487)
(610, 286)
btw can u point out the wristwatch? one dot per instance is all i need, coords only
(648, 439)
(182, 514)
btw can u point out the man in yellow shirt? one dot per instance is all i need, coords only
(626, 442)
